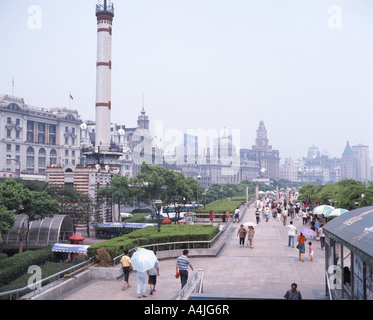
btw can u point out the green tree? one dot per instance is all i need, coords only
(118, 192)
(7, 220)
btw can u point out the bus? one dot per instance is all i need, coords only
(172, 211)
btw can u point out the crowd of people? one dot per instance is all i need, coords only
(286, 210)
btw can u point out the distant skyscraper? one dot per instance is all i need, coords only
(347, 163)
(361, 162)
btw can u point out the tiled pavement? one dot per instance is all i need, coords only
(266, 271)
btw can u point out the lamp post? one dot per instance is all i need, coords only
(204, 200)
(158, 205)
(221, 194)
(198, 178)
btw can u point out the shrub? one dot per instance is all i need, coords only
(150, 235)
(11, 268)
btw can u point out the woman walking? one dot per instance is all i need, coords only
(127, 267)
(301, 246)
(250, 236)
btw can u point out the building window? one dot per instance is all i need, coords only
(30, 131)
(53, 157)
(18, 148)
(52, 135)
(9, 120)
(66, 153)
(8, 133)
(41, 133)
(66, 140)
(8, 147)
(42, 158)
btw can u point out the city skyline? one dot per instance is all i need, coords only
(215, 64)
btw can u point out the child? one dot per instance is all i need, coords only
(310, 251)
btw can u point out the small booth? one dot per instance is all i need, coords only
(349, 255)
(72, 250)
(76, 239)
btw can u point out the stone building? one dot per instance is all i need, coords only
(33, 138)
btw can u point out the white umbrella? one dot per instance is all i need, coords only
(337, 212)
(143, 260)
(324, 209)
(250, 224)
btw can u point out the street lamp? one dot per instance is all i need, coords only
(158, 205)
(204, 200)
(198, 178)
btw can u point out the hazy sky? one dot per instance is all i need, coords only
(304, 67)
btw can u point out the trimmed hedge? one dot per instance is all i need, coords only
(221, 206)
(17, 265)
(150, 235)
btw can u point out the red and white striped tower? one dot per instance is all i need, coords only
(105, 15)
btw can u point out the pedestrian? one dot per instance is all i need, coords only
(293, 293)
(266, 213)
(182, 265)
(228, 215)
(322, 237)
(141, 283)
(310, 250)
(223, 217)
(250, 236)
(152, 276)
(301, 246)
(241, 233)
(257, 215)
(292, 231)
(317, 226)
(284, 215)
(304, 216)
(237, 215)
(126, 267)
(211, 217)
(291, 212)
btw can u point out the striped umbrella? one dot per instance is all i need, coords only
(324, 209)
(337, 212)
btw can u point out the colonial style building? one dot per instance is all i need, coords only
(262, 152)
(31, 138)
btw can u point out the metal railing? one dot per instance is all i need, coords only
(327, 282)
(53, 280)
(173, 245)
(181, 294)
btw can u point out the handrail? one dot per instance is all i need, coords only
(327, 282)
(182, 291)
(56, 278)
(170, 244)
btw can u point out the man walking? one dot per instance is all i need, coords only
(293, 293)
(292, 231)
(182, 264)
(242, 235)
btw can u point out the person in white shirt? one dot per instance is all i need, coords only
(292, 231)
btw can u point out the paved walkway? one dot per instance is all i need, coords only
(266, 271)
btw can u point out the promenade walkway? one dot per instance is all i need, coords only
(266, 271)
